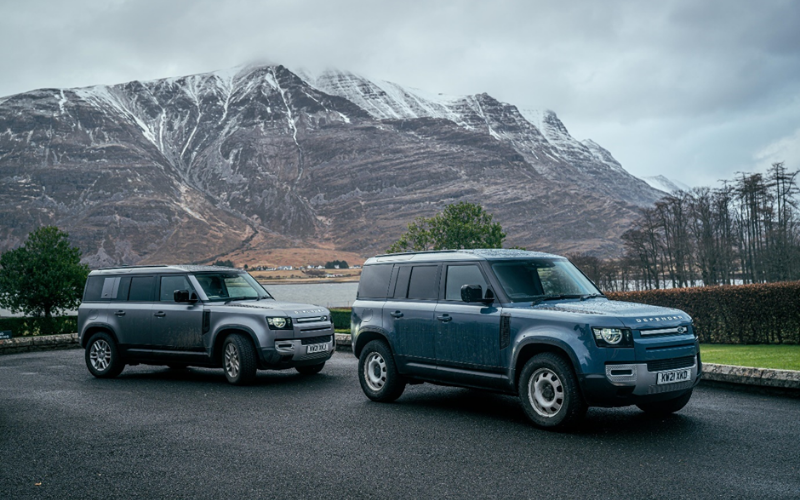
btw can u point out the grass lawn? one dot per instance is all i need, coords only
(779, 357)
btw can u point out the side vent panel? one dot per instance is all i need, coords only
(505, 331)
(206, 321)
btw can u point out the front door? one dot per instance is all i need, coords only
(468, 334)
(176, 326)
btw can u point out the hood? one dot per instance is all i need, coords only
(290, 309)
(631, 314)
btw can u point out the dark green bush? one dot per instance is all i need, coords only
(745, 314)
(341, 318)
(34, 326)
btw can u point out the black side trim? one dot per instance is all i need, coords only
(206, 321)
(505, 331)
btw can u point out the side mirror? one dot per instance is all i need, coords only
(471, 293)
(184, 296)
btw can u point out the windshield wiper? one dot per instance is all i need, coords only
(541, 298)
(238, 298)
(592, 296)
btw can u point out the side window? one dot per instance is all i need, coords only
(110, 288)
(171, 283)
(374, 283)
(124, 288)
(422, 284)
(401, 287)
(142, 288)
(457, 276)
(94, 287)
(104, 288)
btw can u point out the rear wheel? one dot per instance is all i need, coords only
(102, 356)
(666, 407)
(309, 369)
(548, 391)
(239, 360)
(378, 374)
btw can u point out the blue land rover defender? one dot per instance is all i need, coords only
(517, 322)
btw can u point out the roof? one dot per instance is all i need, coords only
(471, 254)
(160, 269)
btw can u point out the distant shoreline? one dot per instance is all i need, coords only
(309, 281)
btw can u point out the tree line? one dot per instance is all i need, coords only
(746, 231)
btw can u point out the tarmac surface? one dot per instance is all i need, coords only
(158, 433)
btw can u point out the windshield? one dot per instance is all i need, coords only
(231, 286)
(529, 280)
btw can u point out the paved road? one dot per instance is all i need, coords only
(154, 433)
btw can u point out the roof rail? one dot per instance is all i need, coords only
(421, 252)
(130, 267)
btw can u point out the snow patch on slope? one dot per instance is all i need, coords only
(665, 184)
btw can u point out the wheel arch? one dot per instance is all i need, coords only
(91, 330)
(226, 331)
(366, 336)
(535, 346)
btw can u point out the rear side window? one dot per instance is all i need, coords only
(94, 287)
(422, 284)
(142, 288)
(374, 282)
(105, 288)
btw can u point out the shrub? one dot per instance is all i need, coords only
(341, 318)
(744, 314)
(37, 326)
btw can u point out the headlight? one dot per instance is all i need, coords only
(279, 323)
(612, 337)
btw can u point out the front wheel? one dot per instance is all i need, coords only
(378, 374)
(239, 360)
(548, 391)
(668, 406)
(309, 369)
(102, 356)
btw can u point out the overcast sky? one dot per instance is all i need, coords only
(695, 90)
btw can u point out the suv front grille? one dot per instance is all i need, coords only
(670, 364)
(322, 339)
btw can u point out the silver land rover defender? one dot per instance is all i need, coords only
(207, 316)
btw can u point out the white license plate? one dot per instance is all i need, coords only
(673, 376)
(316, 348)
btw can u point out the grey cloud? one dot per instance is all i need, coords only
(684, 88)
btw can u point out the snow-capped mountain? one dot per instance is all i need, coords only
(193, 168)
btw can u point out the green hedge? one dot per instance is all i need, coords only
(744, 314)
(341, 318)
(37, 326)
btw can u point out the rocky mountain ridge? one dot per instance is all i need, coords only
(193, 168)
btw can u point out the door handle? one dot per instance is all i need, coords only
(444, 318)
(160, 314)
(119, 313)
(397, 314)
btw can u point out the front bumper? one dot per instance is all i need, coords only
(631, 383)
(294, 352)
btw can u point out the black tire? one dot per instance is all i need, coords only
(549, 392)
(378, 373)
(666, 407)
(239, 360)
(310, 369)
(102, 356)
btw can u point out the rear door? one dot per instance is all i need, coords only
(410, 313)
(133, 309)
(176, 326)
